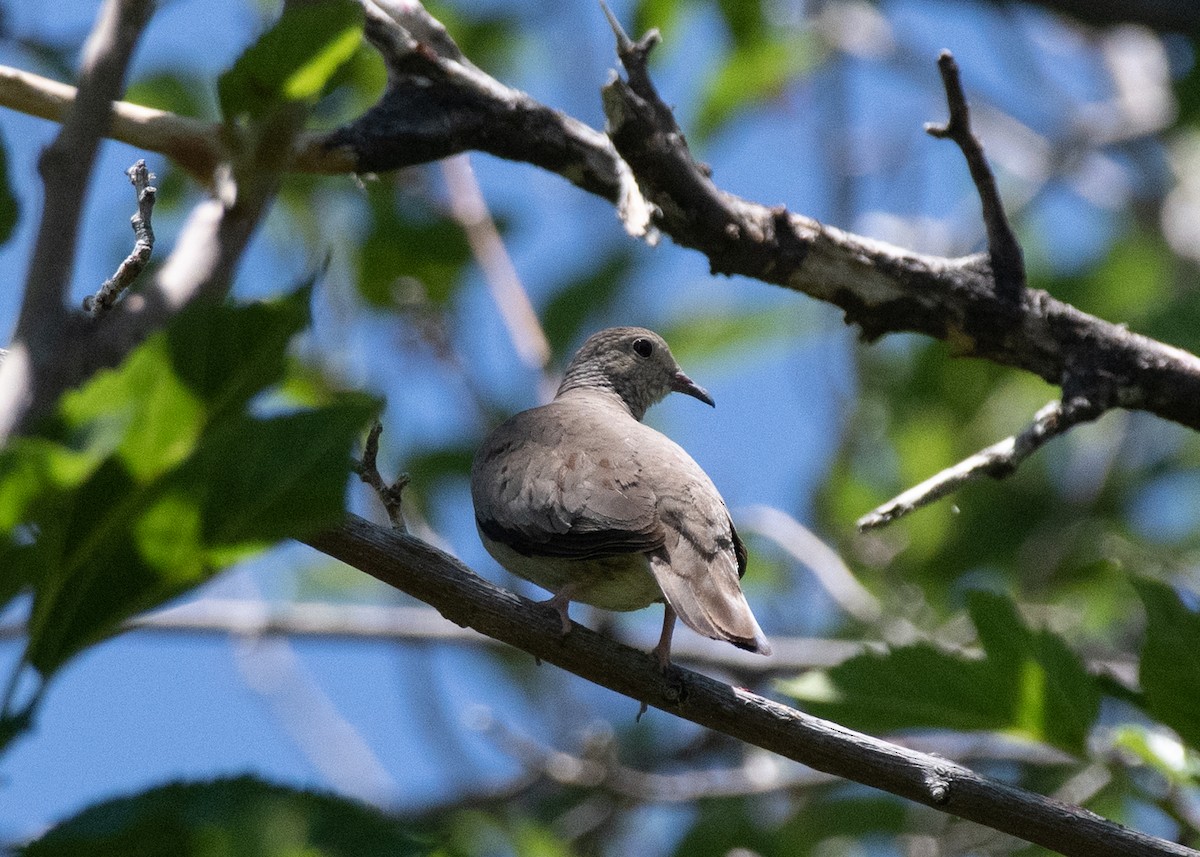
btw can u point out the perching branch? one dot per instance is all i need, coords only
(466, 599)
(143, 246)
(998, 460)
(1008, 262)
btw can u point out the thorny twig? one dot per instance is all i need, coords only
(368, 472)
(140, 177)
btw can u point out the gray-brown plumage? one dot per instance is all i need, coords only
(581, 498)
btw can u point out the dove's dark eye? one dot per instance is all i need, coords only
(643, 347)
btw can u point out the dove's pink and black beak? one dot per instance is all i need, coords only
(681, 383)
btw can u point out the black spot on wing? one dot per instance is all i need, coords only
(595, 544)
(739, 550)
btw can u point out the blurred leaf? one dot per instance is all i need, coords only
(356, 85)
(10, 209)
(226, 354)
(722, 827)
(1027, 682)
(1170, 669)
(1154, 747)
(241, 817)
(754, 72)
(1057, 700)
(423, 246)
(177, 91)
(293, 60)
(157, 474)
(432, 465)
(745, 20)
(705, 337)
(662, 15)
(585, 297)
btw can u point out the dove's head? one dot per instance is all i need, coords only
(632, 362)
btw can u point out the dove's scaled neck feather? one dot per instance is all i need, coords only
(590, 379)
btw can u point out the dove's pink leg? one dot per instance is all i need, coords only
(663, 650)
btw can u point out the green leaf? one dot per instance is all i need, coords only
(176, 91)
(239, 817)
(755, 71)
(1028, 682)
(35, 473)
(1057, 700)
(142, 411)
(292, 61)
(226, 353)
(1170, 669)
(912, 687)
(161, 475)
(258, 481)
(420, 245)
(718, 335)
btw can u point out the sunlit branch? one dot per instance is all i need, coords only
(998, 460)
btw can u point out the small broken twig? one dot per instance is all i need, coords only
(1008, 262)
(368, 472)
(140, 177)
(998, 460)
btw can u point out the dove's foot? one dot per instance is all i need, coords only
(561, 602)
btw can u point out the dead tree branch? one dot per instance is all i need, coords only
(467, 600)
(436, 105)
(1008, 262)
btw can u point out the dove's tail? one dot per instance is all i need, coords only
(705, 593)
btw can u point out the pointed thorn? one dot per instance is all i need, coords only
(624, 43)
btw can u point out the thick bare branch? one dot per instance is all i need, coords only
(881, 287)
(461, 596)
